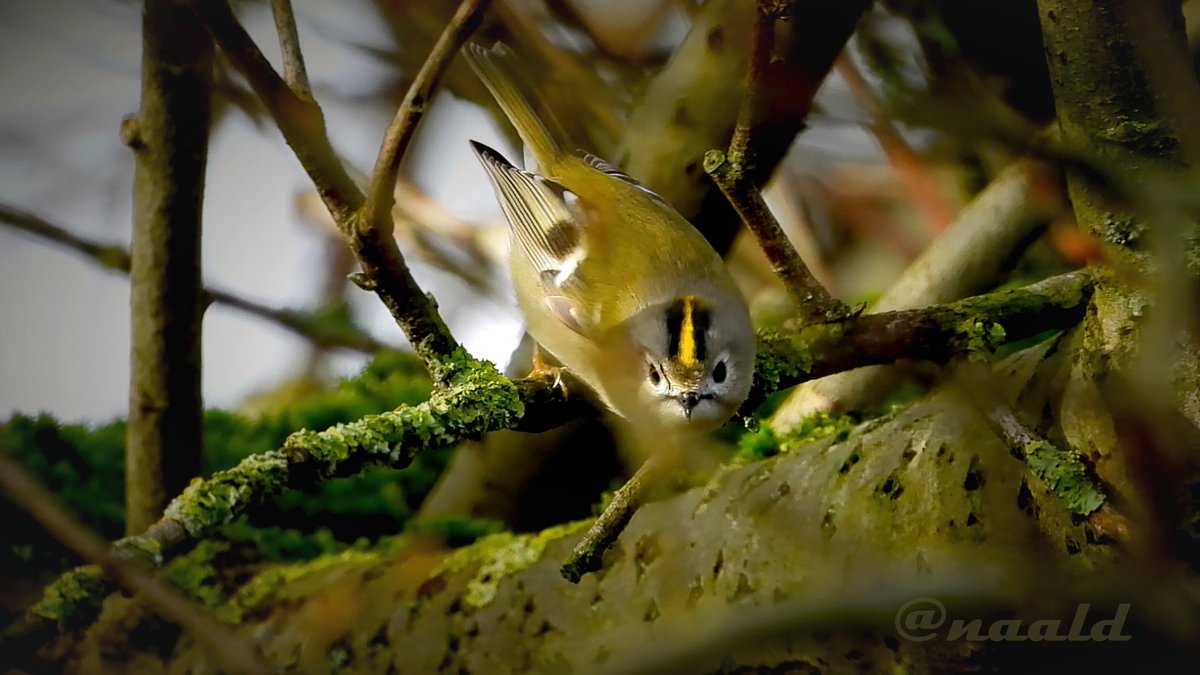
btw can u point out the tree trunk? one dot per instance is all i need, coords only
(169, 138)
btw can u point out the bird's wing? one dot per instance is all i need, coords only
(546, 229)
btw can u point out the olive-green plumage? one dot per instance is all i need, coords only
(601, 264)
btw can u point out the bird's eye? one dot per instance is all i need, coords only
(719, 373)
(655, 376)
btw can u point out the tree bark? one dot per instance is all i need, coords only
(169, 138)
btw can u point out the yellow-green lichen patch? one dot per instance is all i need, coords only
(499, 556)
(208, 503)
(982, 337)
(765, 442)
(139, 550)
(74, 599)
(781, 356)
(266, 584)
(195, 574)
(1066, 476)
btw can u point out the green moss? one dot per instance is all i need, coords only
(764, 442)
(266, 584)
(1066, 476)
(476, 399)
(208, 503)
(982, 337)
(73, 600)
(781, 356)
(195, 574)
(499, 556)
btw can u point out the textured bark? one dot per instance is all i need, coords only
(1127, 99)
(170, 142)
(1125, 91)
(835, 536)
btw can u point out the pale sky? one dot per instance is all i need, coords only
(69, 75)
(69, 72)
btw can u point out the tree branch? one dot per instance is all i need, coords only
(399, 134)
(732, 171)
(688, 107)
(971, 327)
(302, 123)
(116, 258)
(478, 399)
(294, 72)
(1061, 471)
(588, 554)
(964, 260)
(23, 489)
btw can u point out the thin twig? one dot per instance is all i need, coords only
(588, 554)
(732, 172)
(294, 71)
(302, 123)
(117, 258)
(1061, 471)
(399, 134)
(236, 654)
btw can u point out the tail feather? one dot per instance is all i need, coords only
(498, 70)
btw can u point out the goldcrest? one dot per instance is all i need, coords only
(622, 290)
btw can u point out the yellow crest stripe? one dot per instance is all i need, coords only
(687, 333)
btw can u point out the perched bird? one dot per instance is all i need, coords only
(619, 287)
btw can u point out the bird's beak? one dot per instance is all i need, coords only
(689, 400)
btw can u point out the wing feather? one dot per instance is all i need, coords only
(543, 224)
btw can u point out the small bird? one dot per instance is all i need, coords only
(614, 283)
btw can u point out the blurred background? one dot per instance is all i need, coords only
(922, 128)
(70, 74)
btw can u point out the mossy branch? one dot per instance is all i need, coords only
(971, 327)
(1063, 472)
(478, 399)
(233, 652)
(475, 399)
(298, 322)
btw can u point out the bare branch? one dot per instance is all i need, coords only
(588, 554)
(302, 124)
(23, 489)
(732, 172)
(289, 45)
(300, 120)
(117, 258)
(399, 134)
